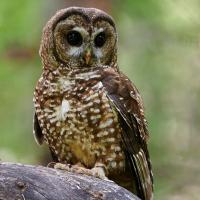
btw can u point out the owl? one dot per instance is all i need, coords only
(89, 113)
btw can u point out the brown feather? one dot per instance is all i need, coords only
(127, 101)
(37, 132)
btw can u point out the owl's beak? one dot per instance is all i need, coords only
(87, 56)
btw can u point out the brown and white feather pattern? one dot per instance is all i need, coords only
(86, 110)
(77, 120)
(127, 101)
(95, 117)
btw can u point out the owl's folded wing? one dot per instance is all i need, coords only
(37, 132)
(127, 102)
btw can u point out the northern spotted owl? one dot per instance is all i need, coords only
(87, 111)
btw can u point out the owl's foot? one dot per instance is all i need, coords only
(98, 171)
(51, 164)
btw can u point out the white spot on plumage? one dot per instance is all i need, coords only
(113, 164)
(40, 117)
(109, 159)
(60, 112)
(58, 123)
(65, 84)
(95, 76)
(91, 109)
(112, 130)
(93, 96)
(65, 107)
(87, 75)
(88, 104)
(110, 139)
(107, 123)
(52, 129)
(105, 105)
(95, 117)
(48, 125)
(103, 133)
(47, 110)
(116, 148)
(97, 101)
(96, 110)
(88, 98)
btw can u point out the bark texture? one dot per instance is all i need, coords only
(29, 182)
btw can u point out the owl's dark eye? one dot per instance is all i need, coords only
(100, 39)
(74, 38)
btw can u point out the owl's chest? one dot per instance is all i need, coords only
(76, 104)
(80, 123)
(79, 111)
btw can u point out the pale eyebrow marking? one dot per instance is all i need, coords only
(97, 31)
(80, 30)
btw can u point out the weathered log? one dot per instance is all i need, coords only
(29, 182)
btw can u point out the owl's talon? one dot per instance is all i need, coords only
(61, 166)
(97, 172)
(51, 164)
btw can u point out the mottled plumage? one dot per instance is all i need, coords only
(86, 110)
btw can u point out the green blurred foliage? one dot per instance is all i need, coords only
(17, 22)
(18, 74)
(158, 50)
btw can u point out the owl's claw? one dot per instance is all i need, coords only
(97, 171)
(61, 166)
(51, 164)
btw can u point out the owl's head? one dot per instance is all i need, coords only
(79, 38)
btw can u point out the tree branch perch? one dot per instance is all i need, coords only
(19, 181)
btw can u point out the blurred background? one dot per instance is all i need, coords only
(158, 50)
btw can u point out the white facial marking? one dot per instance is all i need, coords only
(98, 53)
(75, 51)
(97, 31)
(81, 30)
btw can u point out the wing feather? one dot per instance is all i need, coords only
(127, 102)
(37, 132)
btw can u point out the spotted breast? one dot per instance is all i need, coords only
(86, 110)
(78, 122)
